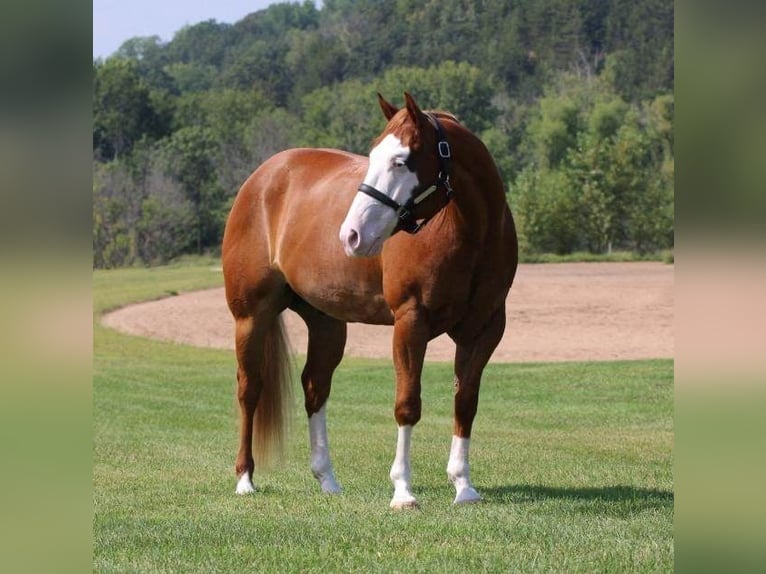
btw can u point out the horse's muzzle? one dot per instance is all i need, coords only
(353, 243)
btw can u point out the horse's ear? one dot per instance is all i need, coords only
(412, 108)
(388, 109)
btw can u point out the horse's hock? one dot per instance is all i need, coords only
(555, 312)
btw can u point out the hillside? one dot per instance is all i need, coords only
(574, 99)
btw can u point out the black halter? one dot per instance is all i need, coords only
(407, 221)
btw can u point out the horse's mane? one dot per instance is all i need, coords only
(442, 114)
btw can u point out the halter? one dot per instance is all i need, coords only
(404, 211)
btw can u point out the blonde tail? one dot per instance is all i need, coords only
(271, 422)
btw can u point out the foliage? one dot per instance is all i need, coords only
(574, 100)
(600, 172)
(139, 213)
(123, 110)
(575, 461)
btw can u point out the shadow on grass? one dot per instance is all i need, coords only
(608, 500)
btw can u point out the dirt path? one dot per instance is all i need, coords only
(556, 312)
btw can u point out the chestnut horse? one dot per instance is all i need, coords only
(427, 244)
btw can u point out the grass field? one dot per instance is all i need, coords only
(574, 461)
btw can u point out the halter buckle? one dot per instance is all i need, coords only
(444, 150)
(444, 180)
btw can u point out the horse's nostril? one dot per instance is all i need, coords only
(353, 238)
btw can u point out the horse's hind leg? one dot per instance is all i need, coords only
(470, 360)
(327, 340)
(262, 386)
(249, 387)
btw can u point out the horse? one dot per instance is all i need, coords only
(418, 236)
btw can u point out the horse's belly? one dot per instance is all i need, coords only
(353, 308)
(344, 288)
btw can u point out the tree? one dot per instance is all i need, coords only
(204, 43)
(315, 59)
(191, 157)
(599, 171)
(546, 211)
(139, 213)
(122, 109)
(573, 99)
(640, 39)
(167, 225)
(152, 58)
(111, 236)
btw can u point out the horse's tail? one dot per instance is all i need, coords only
(272, 419)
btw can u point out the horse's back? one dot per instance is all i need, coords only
(297, 168)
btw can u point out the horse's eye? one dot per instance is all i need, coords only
(399, 162)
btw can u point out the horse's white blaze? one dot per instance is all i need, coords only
(321, 466)
(245, 484)
(368, 222)
(400, 470)
(458, 472)
(386, 172)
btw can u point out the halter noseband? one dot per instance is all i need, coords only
(407, 221)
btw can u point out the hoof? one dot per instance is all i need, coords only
(467, 496)
(327, 481)
(403, 502)
(245, 485)
(404, 505)
(331, 487)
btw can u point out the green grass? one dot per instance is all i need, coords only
(666, 256)
(117, 287)
(574, 461)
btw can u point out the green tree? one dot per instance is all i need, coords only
(459, 87)
(546, 211)
(204, 43)
(346, 115)
(191, 157)
(314, 59)
(152, 58)
(111, 236)
(596, 202)
(341, 117)
(602, 171)
(122, 109)
(574, 100)
(640, 40)
(259, 65)
(166, 228)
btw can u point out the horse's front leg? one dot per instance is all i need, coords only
(470, 360)
(410, 340)
(327, 340)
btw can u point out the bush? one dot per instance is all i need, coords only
(600, 174)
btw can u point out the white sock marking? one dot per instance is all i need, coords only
(400, 470)
(458, 471)
(245, 484)
(321, 465)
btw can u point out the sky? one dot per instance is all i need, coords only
(115, 21)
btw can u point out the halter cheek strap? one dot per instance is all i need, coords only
(404, 211)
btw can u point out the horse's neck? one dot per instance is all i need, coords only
(475, 171)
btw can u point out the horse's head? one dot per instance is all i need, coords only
(404, 163)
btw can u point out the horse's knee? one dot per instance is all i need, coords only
(316, 392)
(407, 412)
